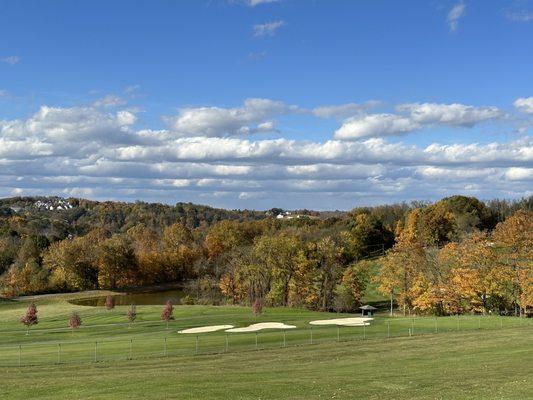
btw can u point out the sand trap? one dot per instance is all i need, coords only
(357, 321)
(205, 329)
(261, 326)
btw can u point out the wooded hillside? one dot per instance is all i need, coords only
(456, 255)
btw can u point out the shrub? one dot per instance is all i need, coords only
(109, 302)
(74, 321)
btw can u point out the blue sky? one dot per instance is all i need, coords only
(256, 104)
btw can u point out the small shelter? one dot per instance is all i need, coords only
(367, 310)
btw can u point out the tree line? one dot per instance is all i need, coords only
(457, 255)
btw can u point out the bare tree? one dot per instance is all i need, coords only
(132, 313)
(257, 307)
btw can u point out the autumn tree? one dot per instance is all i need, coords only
(150, 258)
(116, 263)
(277, 254)
(30, 318)
(73, 262)
(513, 242)
(166, 313)
(403, 263)
(350, 290)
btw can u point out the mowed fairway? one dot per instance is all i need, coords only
(459, 366)
(469, 357)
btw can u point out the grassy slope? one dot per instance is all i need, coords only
(458, 366)
(461, 361)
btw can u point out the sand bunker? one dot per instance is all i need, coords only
(205, 329)
(357, 321)
(261, 326)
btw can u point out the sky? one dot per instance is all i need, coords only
(319, 104)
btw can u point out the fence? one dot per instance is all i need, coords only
(169, 343)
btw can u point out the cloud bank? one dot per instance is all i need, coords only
(214, 155)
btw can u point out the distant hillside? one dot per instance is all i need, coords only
(57, 217)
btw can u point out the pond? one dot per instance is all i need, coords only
(139, 298)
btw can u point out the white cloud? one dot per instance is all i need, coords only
(524, 104)
(267, 29)
(72, 127)
(11, 60)
(343, 110)
(455, 14)
(90, 151)
(375, 125)
(449, 114)
(520, 16)
(253, 3)
(520, 174)
(217, 121)
(415, 116)
(110, 100)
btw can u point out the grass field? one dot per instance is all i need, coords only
(453, 357)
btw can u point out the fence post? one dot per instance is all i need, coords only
(165, 349)
(59, 353)
(95, 351)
